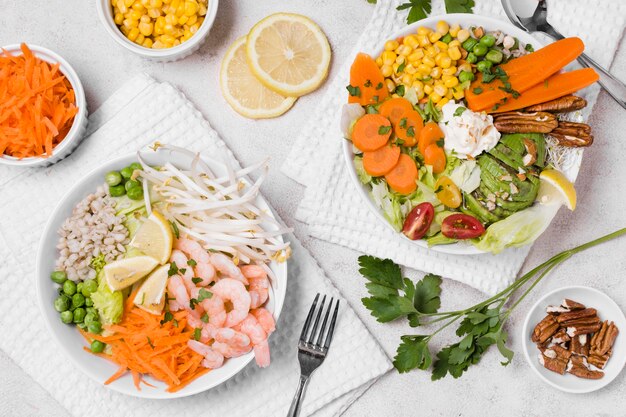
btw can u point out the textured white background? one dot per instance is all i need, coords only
(71, 28)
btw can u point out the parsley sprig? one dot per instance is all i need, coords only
(479, 326)
(420, 9)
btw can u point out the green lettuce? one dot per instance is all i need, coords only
(110, 304)
(364, 177)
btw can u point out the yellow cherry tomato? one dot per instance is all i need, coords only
(447, 192)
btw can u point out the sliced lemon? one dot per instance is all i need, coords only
(151, 294)
(125, 272)
(154, 238)
(241, 89)
(288, 53)
(556, 188)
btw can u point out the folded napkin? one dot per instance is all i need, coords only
(139, 113)
(332, 207)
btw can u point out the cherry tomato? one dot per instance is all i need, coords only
(447, 192)
(462, 226)
(418, 221)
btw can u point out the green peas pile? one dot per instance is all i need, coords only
(120, 182)
(483, 52)
(76, 306)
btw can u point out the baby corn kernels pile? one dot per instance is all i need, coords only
(159, 24)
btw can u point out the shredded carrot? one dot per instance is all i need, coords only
(37, 105)
(142, 346)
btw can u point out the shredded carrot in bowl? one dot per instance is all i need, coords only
(37, 105)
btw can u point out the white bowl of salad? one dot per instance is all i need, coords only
(437, 142)
(172, 270)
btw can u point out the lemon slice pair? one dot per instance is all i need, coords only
(283, 57)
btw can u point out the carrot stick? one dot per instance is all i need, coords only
(558, 85)
(381, 161)
(367, 84)
(402, 178)
(395, 108)
(523, 73)
(408, 128)
(371, 132)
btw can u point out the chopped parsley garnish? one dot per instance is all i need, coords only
(204, 295)
(400, 90)
(477, 90)
(440, 142)
(459, 111)
(529, 47)
(410, 132)
(150, 342)
(183, 270)
(368, 83)
(197, 334)
(403, 123)
(168, 317)
(193, 303)
(379, 86)
(401, 67)
(354, 91)
(375, 98)
(205, 318)
(192, 263)
(173, 269)
(196, 280)
(383, 130)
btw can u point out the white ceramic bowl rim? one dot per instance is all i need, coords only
(277, 297)
(67, 70)
(106, 16)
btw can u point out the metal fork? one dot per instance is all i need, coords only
(312, 353)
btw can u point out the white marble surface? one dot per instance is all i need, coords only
(72, 29)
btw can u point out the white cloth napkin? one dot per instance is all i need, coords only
(333, 209)
(139, 113)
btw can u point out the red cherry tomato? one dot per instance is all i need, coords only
(418, 221)
(462, 226)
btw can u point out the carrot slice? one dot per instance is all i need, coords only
(408, 128)
(367, 84)
(524, 72)
(558, 85)
(395, 108)
(371, 132)
(431, 133)
(435, 156)
(403, 177)
(381, 161)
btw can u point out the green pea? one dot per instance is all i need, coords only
(466, 76)
(113, 178)
(90, 317)
(88, 302)
(127, 172)
(471, 58)
(89, 287)
(117, 191)
(480, 49)
(78, 300)
(97, 346)
(79, 315)
(58, 276)
(135, 193)
(132, 184)
(447, 38)
(67, 317)
(494, 56)
(484, 66)
(69, 287)
(136, 165)
(79, 287)
(94, 327)
(62, 303)
(91, 310)
(488, 40)
(469, 44)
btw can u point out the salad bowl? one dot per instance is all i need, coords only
(72, 342)
(465, 20)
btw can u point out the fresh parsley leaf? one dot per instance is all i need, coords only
(182, 270)
(175, 323)
(440, 369)
(204, 295)
(193, 303)
(410, 132)
(197, 334)
(488, 77)
(418, 10)
(459, 111)
(477, 90)
(150, 342)
(383, 130)
(402, 123)
(459, 6)
(168, 317)
(504, 351)
(431, 110)
(173, 269)
(196, 280)
(400, 90)
(380, 271)
(401, 67)
(375, 98)
(192, 263)
(427, 292)
(370, 109)
(529, 47)
(515, 93)
(371, 1)
(388, 308)
(354, 91)
(440, 142)
(205, 318)
(412, 353)
(368, 83)
(379, 86)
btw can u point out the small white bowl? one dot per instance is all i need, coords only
(607, 310)
(105, 12)
(68, 337)
(79, 126)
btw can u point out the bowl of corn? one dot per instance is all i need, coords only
(161, 30)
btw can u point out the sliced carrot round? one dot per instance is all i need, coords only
(403, 177)
(367, 84)
(408, 128)
(381, 161)
(435, 156)
(371, 132)
(395, 108)
(431, 133)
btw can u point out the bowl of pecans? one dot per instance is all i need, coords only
(571, 339)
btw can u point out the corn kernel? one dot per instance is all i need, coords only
(454, 43)
(449, 94)
(465, 67)
(140, 38)
(440, 90)
(435, 73)
(417, 83)
(411, 41)
(450, 82)
(454, 30)
(436, 98)
(391, 45)
(442, 46)
(423, 40)
(405, 50)
(132, 34)
(434, 37)
(154, 13)
(194, 28)
(410, 69)
(420, 94)
(442, 102)
(454, 53)
(442, 27)
(379, 61)
(417, 55)
(406, 79)
(458, 95)
(428, 61)
(424, 69)
(389, 57)
(146, 28)
(449, 71)
(422, 30)
(431, 51)
(386, 70)
(391, 86)
(400, 59)
(118, 19)
(191, 7)
(192, 20)
(446, 62)
(138, 7)
(463, 35)
(428, 89)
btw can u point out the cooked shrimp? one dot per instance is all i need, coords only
(265, 319)
(212, 359)
(262, 354)
(259, 284)
(192, 249)
(227, 267)
(232, 337)
(206, 271)
(251, 327)
(180, 260)
(235, 292)
(215, 309)
(229, 351)
(176, 288)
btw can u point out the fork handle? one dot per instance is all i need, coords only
(296, 403)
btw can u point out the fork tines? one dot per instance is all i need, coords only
(309, 333)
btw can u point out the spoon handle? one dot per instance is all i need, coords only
(611, 85)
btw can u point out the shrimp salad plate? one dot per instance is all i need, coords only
(162, 273)
(464, 133)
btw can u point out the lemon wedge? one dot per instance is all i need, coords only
(555, 188)
(245, 94)
(125, 272)
(154, 238)
(288, 53)
(151, 294)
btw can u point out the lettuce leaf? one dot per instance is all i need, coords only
(110, 304)
(364, 177)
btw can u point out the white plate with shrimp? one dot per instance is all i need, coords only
(73, 343)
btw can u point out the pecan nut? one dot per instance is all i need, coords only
(545, 329)
(583, 321)
(560, 337)
(583, 329)
(578, 366)
(518, 122)
(572, 305)
(572, 134)
(599, 361)
(578, 314)
(560, 105)
(579, 345)
(603, 341)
